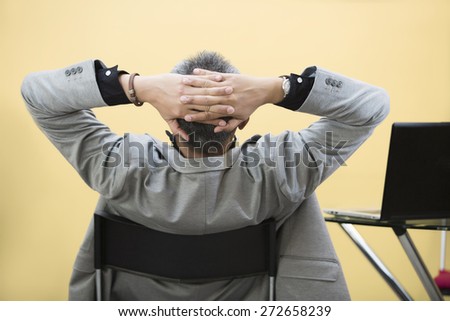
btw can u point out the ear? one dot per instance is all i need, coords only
(243, 124)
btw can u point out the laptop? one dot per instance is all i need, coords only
(417, 182)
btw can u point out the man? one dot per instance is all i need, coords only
(205, 183)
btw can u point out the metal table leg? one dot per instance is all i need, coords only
(418, 264)
(376, 262)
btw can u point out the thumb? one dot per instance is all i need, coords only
(176, 129)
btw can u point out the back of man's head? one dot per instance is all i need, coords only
(202, 136)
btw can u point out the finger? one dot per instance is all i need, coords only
(203, 80)
(216, 122)
(204, 113)
(222, 109)
(205, 100)
(219, 109)
(200, 71)
(201, 117)
(231, 125)
(204, 91)
(176, 129)
(218, 91)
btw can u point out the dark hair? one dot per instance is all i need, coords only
(202, 135)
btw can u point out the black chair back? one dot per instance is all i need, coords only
(123, 244)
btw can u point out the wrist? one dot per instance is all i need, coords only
(142, 87)
(275, 92)
(123, 80)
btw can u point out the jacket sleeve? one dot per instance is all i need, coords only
(349, 109)
(60, 102)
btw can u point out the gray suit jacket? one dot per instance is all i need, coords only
(148, 181)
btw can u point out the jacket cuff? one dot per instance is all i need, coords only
(109, 85)
(300, 88)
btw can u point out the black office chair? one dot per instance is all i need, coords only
(123, 244)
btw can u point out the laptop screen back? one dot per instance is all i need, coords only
(417, 184)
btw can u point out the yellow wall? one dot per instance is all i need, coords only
(401, 45)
